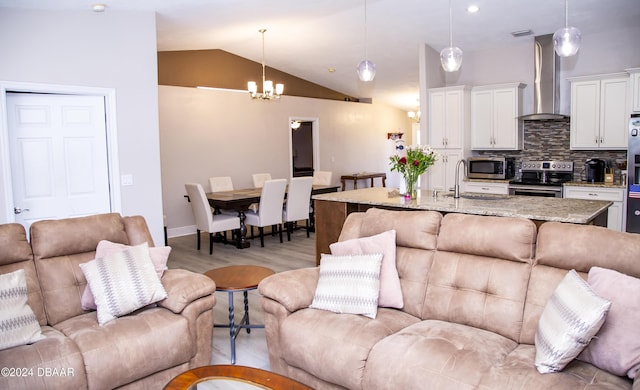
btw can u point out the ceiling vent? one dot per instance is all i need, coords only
(521, 33)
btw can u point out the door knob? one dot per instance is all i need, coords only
(18, 210)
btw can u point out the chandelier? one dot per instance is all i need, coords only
(268, 92)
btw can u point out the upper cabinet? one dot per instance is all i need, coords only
(635, 89)
(495, 117)
(449, 117)
(599, 111)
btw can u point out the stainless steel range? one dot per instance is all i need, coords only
(542, 178)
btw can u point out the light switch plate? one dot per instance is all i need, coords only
(126, 180)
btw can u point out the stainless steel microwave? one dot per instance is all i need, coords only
(490, 168)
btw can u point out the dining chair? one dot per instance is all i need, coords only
(205, 219)
(260, 178)
(322, 178)
(297, 204)
(221, 183)
(269, 212)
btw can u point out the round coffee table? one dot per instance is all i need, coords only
(238, 278)
(222, 376)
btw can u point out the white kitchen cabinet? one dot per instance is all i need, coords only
(600, 111)
(449, 117)
(495, 117)
(635, 88)
(441, 175)
(617, 211)
(487, 187)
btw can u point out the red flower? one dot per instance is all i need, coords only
(416, 163)
(402, 161)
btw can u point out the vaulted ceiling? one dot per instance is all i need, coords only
(307, 38)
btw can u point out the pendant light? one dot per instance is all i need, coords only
(366, 68)
(451, 57)
(268, 92)
(567, 40)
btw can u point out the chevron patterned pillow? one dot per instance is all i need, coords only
(123, 282)
(349, 284)
(159, 257)
(18, 323)
(571, 317)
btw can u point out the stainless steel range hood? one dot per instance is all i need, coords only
(546, 84)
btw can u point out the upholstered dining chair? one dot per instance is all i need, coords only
(322, 178)
(260, 178)
(297, 204)
(269, 212)
(221, 183)
(205, 219)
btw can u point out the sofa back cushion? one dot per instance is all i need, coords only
(15, 254)
(480, 272)
(59, 246)
(562, 247)
(416, 233)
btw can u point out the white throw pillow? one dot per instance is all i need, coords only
(18, 323)
(571, 317)
(349, 284)
(123, 282)
(159, 257)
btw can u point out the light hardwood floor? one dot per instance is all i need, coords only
(251, 349)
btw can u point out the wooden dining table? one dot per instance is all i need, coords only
(240, 200)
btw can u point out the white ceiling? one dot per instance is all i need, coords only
(307, 37)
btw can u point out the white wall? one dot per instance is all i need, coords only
(107, 50)
(206, 133)
(605, 52)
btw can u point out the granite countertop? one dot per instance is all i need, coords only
(576, 183)
(532, 207)
(588, 184)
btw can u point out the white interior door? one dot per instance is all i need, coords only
(58, 151)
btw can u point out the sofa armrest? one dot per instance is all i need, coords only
(292, 289)
(184, 287)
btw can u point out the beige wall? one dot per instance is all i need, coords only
(207, 133)
(115, 50)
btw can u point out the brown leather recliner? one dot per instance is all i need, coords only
(142, 350)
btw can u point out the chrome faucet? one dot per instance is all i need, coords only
(456, 187)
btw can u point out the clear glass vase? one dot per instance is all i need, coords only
(412, 191)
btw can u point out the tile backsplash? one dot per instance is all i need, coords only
(549, 140)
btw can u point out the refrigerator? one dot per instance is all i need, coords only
(633, 175)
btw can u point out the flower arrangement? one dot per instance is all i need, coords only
(414, 164)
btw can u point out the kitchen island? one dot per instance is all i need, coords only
(332, 209)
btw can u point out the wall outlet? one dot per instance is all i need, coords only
(126, 180)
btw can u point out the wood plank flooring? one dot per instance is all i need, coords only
(251, 349)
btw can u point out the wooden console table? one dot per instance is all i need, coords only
(363, 176)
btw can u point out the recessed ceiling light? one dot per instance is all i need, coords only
(98, 7)
(331, 70)
(473, 8)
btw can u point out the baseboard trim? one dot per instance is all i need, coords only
(181, 231)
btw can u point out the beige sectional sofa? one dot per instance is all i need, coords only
(474, 289)
(142, 350)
